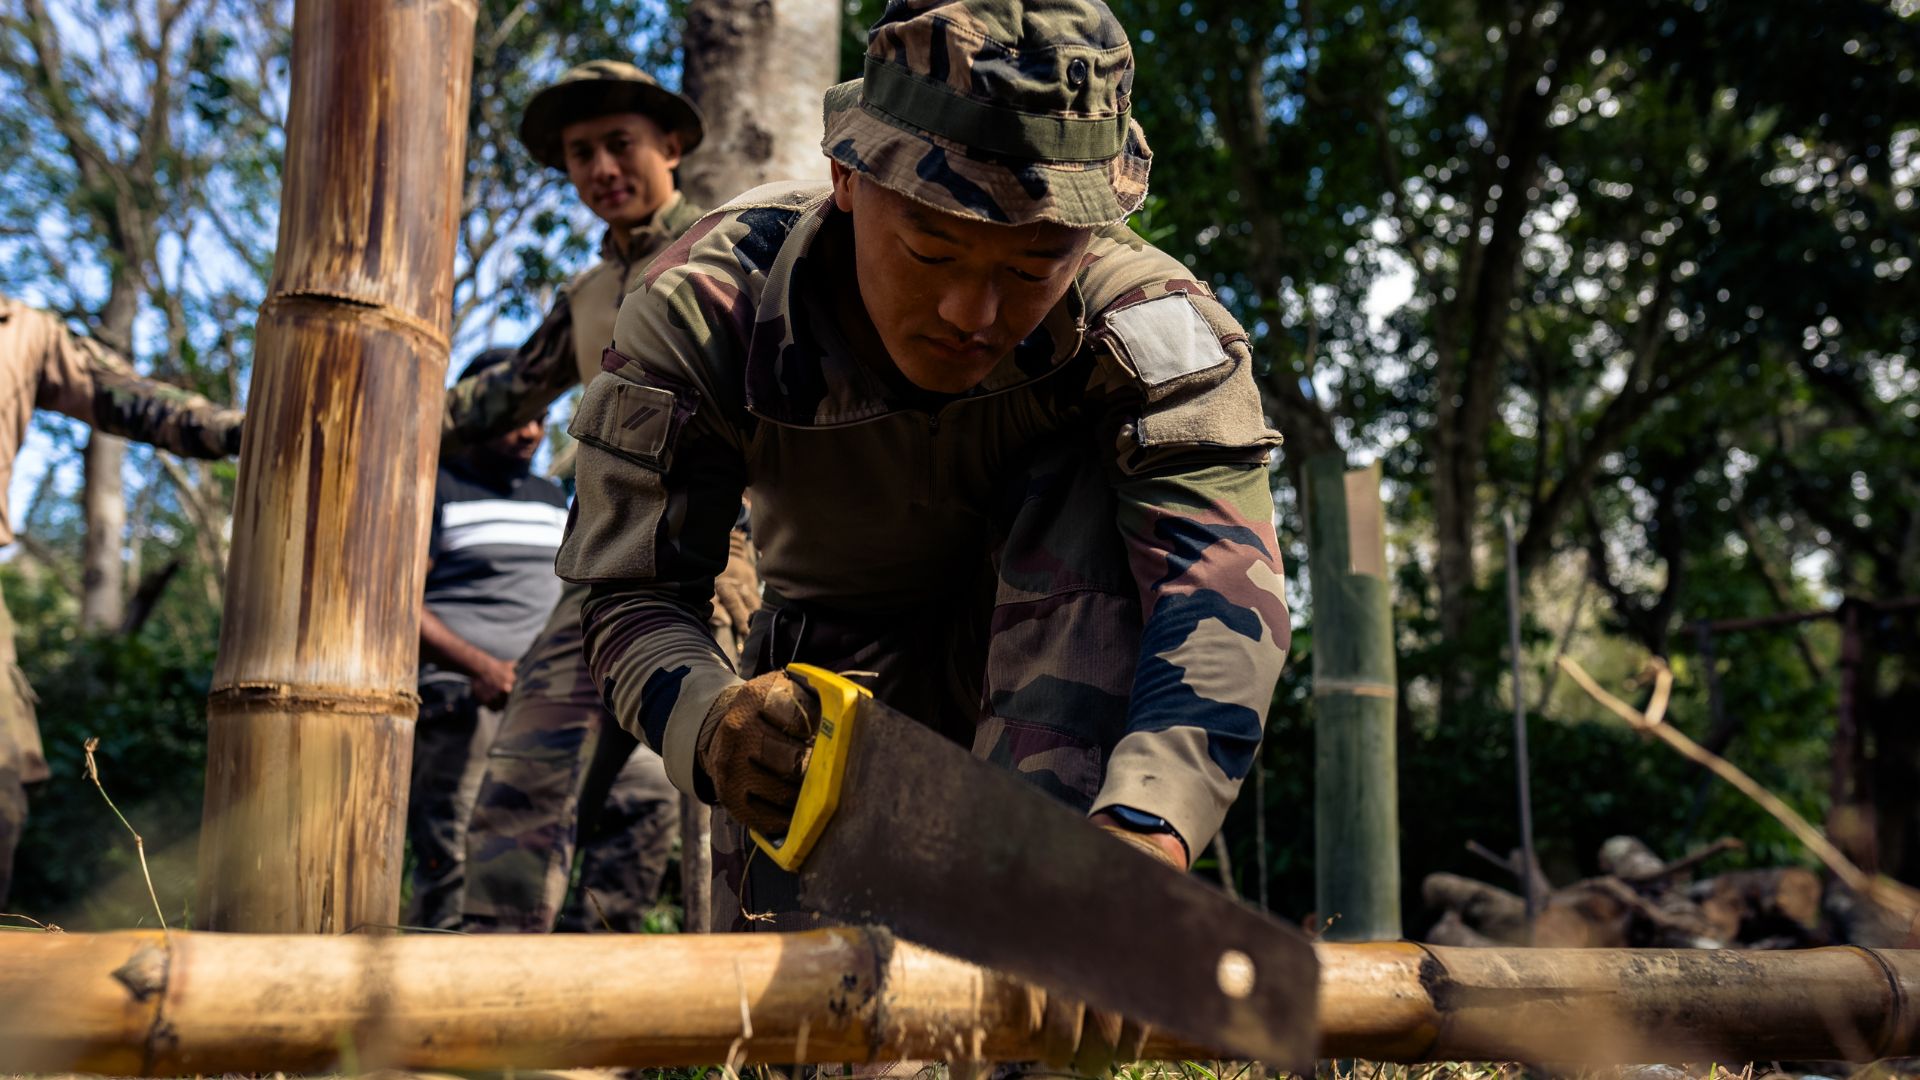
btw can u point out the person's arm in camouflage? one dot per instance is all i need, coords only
(84, 379)
(1196, 515)
(505, 396)
(659, 477)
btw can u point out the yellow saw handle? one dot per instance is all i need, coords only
(826, 768)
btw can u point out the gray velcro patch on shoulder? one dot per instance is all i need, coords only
(1165, 338)
(628, 418)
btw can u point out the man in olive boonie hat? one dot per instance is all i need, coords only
(561, 773)
(1001, 453)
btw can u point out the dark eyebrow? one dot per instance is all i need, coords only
(1059, 251)
(926, 222)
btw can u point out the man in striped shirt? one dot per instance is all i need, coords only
(490, 587)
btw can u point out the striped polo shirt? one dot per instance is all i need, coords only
(494, 537)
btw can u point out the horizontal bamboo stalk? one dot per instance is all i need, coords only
(139, 1003)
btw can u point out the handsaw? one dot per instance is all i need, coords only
(896, 825)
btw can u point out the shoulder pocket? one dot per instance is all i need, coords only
(638, 420)
(1195, 375)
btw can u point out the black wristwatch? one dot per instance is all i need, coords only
(1140, 821)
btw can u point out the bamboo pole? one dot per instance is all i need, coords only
(1522, 768)
(122, 1003)
(1356, 817)
(696, 865)
(311, 716)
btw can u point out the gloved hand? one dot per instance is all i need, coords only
(754, 746)
(736, 590)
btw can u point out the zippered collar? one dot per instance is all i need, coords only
(802, 374)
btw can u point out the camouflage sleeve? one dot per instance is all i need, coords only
(1196, 516)
(659, 478)
(508, 395)
(144, 410)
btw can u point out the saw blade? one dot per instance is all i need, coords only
(964, 857)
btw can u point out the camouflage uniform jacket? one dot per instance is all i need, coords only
(729, 373)
(565, 349)
(44, 365)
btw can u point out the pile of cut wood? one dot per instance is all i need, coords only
(1639, 900)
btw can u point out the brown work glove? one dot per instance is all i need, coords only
(754, 746)
(736, 594)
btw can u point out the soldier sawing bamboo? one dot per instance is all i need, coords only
(129, 1003)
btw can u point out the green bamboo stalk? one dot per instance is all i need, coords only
(1356, 797)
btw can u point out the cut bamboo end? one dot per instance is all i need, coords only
(122, 1003)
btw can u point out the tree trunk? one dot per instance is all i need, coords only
(758, 69)
(310, 723)
(103, 574)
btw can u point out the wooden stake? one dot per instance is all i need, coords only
(1523, 772)
(310, 723)
(123, 1004)
(1356, 823)
(696, 865)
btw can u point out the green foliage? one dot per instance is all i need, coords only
(1619, 272)
(145, 700)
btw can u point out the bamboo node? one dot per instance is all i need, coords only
(314, 698)
(144, 974)
(405, 321)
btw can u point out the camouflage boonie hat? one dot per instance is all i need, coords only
(1009, 111)
(601, 88)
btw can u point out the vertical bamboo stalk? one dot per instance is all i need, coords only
(1356, 797)
(1850, 805)
(1522, 768)
(310, 721)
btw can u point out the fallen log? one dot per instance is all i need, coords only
(140, 1003)
(1762, 903)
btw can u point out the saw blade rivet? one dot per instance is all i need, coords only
(1235, 973)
